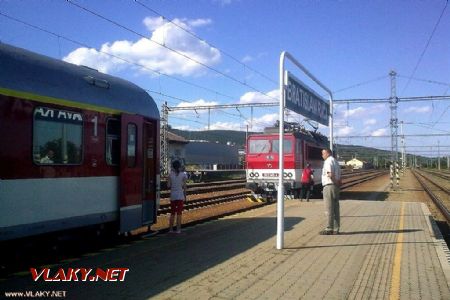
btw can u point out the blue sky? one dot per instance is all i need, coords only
(343, 43)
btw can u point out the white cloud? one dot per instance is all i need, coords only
(199, 22)
(247, 59)
(150, 55)
(266, 120)
(183, 127)
(196, 103)
(223, 2)
(255, 97)
(344, 131)
(153, 23)
(379, 132)
(227, 126)
(369, 122)
(417, 109)
(377, 108)
(356, 112)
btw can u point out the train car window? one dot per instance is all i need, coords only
(113, 142)
(131, 145)
(287, 146)
(314, 153)
(57, 136)
(259, 146)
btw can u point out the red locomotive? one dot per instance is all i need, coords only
(300, 147)
(78, 148)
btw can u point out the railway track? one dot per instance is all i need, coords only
(215, 194)
(208, 187)
(438, 192)
(210, 200)
(199, 189)
(443, 175)
(206, 201)
(352, 179)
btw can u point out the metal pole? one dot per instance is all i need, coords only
(209, 117)
(439, 157)
(394, 121)
(403, 148)
(164, 140)
(251, 118)
(331, 122)
(280, 193)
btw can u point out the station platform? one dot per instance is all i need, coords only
(386, 250)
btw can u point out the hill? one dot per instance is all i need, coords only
(221, 136)
(344, 152)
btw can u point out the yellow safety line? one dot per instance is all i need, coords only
(396, 269)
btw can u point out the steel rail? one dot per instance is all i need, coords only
(444, 210)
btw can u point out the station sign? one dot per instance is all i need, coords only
(304, 101)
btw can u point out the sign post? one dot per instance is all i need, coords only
(296, 96)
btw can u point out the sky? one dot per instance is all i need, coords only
(208, 52)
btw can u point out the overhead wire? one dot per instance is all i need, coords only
(361, 84)
(127, 61)
(208, 43)
(426, 80)
(186, 56)
(425, 49)
(168, 48)
(160, 93)
(440, 117)
(117, 57)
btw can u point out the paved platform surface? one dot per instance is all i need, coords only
(386, 250)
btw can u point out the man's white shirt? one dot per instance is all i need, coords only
(330, 165)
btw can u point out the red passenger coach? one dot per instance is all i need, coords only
(78, 148)
(262, 158)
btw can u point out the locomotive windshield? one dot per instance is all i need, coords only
(266, 146)
(259, 146)
(287, 146)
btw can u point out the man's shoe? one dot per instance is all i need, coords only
(326, 232)
(336, 232)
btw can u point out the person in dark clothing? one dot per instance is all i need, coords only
(307, 182)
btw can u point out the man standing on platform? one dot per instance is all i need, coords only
(331, 181)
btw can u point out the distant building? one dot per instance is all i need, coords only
(211, 156)
(341, 163)
(177, 147)
(355, 163)
(359, 164)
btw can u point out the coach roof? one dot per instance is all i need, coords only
(40, 77)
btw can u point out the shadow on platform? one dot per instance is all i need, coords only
(352, 245)
(161, 262)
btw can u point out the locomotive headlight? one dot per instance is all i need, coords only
(289, 174)
(256, 174)
(251, 174)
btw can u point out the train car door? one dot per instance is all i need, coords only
(151, 165)
(131, 172)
